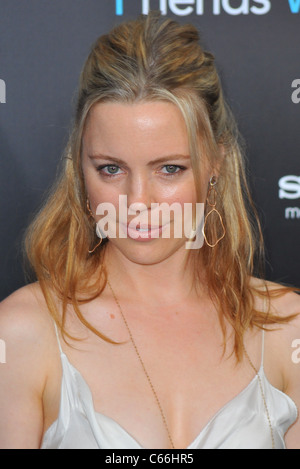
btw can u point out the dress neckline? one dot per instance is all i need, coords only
(260, 375)
(103, 417)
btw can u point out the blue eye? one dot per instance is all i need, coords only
(108, 169)
(112, 169)
(172, 169)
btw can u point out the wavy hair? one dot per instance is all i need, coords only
(144, 60)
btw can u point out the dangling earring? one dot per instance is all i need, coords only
(89, 208)
(98, 232)
(212, 202)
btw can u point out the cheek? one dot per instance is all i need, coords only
(105, 196)
(182, 193)
(99, 192)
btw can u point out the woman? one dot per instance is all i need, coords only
(133, 340)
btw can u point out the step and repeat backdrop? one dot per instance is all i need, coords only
(43, 44)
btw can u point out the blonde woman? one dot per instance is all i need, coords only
(134, 341)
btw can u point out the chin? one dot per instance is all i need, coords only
(150, 253)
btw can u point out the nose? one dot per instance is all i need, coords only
(139, 192)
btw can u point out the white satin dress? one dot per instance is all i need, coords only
(243, 423)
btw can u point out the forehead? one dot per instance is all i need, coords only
(144, 127)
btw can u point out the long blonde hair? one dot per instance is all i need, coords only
(153, 59)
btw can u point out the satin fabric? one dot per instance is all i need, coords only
(242, 423)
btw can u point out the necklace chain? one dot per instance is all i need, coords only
(263, 397)
(155, 393)
(143, 366)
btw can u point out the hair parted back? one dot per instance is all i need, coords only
(152, 59)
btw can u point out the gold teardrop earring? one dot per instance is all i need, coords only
(98, 232)
(211, 200)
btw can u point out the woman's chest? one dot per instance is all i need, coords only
(175, 378)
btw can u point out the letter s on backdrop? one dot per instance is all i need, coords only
(289, 187)
(263, 9)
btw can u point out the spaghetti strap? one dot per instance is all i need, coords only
(263, 332)
(262, 348)
(58, 340)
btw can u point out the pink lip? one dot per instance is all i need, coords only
(145, 227)
(152, 232)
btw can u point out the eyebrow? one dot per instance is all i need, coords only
(174, 157)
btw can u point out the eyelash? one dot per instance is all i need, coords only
(181, 169)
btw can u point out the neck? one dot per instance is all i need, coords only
(171, 279)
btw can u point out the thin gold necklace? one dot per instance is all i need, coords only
(263, 397)
(144, 368)
(153, 389)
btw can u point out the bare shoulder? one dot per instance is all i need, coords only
(286, 306)
(28, 295)
(24, 318)
(284, 302)
(283, 336)
(27, 331)
(25, 303)
(282, 346)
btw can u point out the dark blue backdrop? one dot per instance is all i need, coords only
(43, 44)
